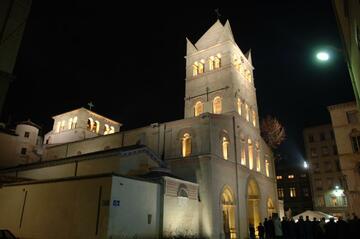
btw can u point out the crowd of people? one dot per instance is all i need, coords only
(273, 228)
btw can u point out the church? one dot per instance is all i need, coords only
(208, 175)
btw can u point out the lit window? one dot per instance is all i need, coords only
(195, 69)
(225, 148)
(291, 176)
(201, 67)
(186, 145)
(258, 165)
(90, 124)
(292, 192)
(278, 177)
(58, 127)
(74, 122)
(106, 129)
(280, 192)
(70, 123)
(254, 118)
(198, 68)
(211, 63)
(112, 130)
(217, 61)
(63, 125)
(251, 154)
(97, 126)
(217, 105)
(267, 167)
(247, 112)
(198, 108)
(243, 154)
(239, 105)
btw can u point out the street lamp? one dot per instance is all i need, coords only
(323, 56)
(306, 165)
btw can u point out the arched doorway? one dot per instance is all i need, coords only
(253, 203)
(270, 207)
(228, 213)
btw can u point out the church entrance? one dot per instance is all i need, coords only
(228, 214)
(253, 204)
(270, 207)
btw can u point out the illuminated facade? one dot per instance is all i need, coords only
(346, 125)
(216, 149)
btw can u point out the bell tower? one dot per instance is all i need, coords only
(219, 77)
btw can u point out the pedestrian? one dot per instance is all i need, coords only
(330, 229)
(308, 228)
(342, 229)
(277, 227)
(261, 231)
(251, 231)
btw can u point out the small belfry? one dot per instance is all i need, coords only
(219, 76)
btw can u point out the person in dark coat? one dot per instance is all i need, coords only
(300, 228)
(321, 229)
(330, 229)
(342, 229)
(291, 229)
(284, 226)
(251, 231)
(261, 231)
(314, 227)
(308, 228)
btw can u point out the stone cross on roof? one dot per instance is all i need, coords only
(91, 105)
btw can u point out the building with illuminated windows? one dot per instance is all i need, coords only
(293, 186)
(219, 172)
(326, 178)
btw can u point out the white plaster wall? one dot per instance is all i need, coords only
(137, 200)
(66, 209)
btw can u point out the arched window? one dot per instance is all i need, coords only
(186, 145)
(74, 122)
(267, 167)
(112, 130)
(258, 162)
(217, 61)
(70, 123)
(251, 154)
(96, 126)
(63, 125)
(198, 108)
(254, 118)
(58, 126)
(217, 105)
(243, 154)
(247, 116)
(195, 69)
(106, 129)
(198, 67)
(225, 148)
(211, 63)
(239, 105)
(90, 124)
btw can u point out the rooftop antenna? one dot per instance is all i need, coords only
(91, 105)
(218, 15)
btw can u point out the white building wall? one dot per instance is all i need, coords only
(137, 214)
(57, 210)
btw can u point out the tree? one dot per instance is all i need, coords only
(272, 131)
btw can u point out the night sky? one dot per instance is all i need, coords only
(129, 61)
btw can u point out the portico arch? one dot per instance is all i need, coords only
(253, 203)
(228, 213)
